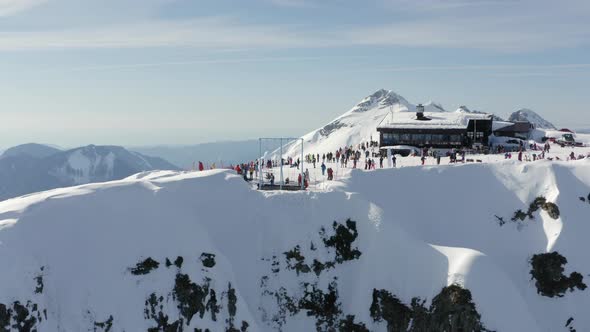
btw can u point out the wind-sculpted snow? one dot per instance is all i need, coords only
(170, 251)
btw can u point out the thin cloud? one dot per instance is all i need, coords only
(504, 31)
(292, 3)
(13, 7)
(480, 67)
(196, 62)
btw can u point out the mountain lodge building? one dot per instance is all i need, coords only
(443, 130)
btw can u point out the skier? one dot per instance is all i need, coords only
(393, 160)
(323, 168)
(330, 174)
(201, 167)
(381, 161)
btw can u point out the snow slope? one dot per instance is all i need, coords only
(532, 117)
(419, 230)
(357, 125)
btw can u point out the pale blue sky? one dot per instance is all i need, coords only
(143, 72)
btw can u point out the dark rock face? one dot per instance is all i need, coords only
(20, 317)
(387, 307)
(452, 310)
(331, 127)
(547, 270)
(144, 267)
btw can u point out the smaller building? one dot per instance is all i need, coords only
(519, 129)
(443, 130)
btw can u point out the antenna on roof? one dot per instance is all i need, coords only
(420, 111)
(391, 111)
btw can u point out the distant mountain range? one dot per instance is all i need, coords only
(221, 153)
(31, 168)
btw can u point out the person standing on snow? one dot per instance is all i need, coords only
(393, 160)
(323, 168)
(201, 167)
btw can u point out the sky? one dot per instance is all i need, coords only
(150, 72)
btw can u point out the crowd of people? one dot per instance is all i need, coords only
(354, 155)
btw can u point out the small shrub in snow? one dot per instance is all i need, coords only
(324, 306)
(348, 325)
(208, 260)
(569, 325)
(39, 280)
(551, 209)
(547, 270)
(104, 326)
(519, 215)
(296, 261)
(538, 203)
(145, 267)
(178, 262)
(191, 297)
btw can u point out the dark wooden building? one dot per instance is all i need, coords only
(442, 130)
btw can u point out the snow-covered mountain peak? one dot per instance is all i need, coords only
(359, 124)
(380, 99)
(531, 116)
(465, 109)
(432, 106)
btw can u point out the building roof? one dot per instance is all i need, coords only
(438, 120)
(520, 126)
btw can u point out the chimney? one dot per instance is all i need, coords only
(420, 112)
